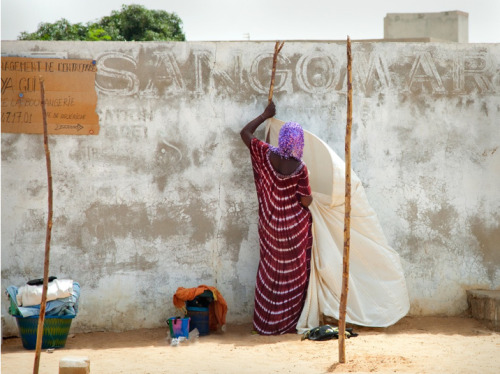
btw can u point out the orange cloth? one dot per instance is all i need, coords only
(217, 310)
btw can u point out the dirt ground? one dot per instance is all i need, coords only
(413, 345)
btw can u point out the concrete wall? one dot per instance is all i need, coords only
(164, 197)
(446, 26)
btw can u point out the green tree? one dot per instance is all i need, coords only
(96, 34)
(132, 22)
(59, 30)
(135, 22)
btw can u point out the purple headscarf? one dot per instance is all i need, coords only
(291, 141)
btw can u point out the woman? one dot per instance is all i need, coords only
(283, 192)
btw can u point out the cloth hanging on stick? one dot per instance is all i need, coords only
(377, 295)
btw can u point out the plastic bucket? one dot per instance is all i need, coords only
(55, 331)
(178, 327)
(199, 319)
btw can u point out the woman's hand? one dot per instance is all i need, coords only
(306, 200)
(270, 111)
(247, 132)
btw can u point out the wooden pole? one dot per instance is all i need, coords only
(41, 318)
(347, 215)
(277, 49)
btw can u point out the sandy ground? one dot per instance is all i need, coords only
(413, 345)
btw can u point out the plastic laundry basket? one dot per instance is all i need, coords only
(55, 331)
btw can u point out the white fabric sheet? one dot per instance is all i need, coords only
(377, 293)
(32, 295)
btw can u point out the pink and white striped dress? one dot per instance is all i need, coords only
(285, 244)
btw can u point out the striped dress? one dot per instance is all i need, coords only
(285, 244)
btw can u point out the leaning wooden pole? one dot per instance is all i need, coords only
(277, 49)
(41, 319)
(347, 215)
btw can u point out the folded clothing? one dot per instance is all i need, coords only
(67, 306)
(32, 295)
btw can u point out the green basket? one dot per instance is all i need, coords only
(55, 331)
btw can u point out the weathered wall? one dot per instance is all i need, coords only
(164, 197)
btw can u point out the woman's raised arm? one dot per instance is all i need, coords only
(247, 132)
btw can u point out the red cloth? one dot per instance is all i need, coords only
(217, 310)
(285, 244)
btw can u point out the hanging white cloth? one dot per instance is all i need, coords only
(377, 288)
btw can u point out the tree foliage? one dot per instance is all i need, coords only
(132, 22)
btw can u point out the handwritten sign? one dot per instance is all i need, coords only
(70, 96)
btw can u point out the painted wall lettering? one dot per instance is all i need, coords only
(424, 75)
(473, 70)
(315, 72)
(115, 76)
(260, 69)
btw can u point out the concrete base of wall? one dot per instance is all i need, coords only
(484, 305)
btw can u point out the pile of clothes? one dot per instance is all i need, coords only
(62, 298)
(203, 296)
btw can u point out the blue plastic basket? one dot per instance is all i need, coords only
(55, 331)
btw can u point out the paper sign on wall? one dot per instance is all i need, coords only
(70, 97)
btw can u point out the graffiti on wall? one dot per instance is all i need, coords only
(163, 74)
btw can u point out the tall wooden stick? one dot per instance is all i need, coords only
(41, 319)
(277, 49)
(347, 215)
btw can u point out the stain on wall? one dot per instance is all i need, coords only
(164, 197)
(487, 234)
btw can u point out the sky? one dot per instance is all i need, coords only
(259, 19)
